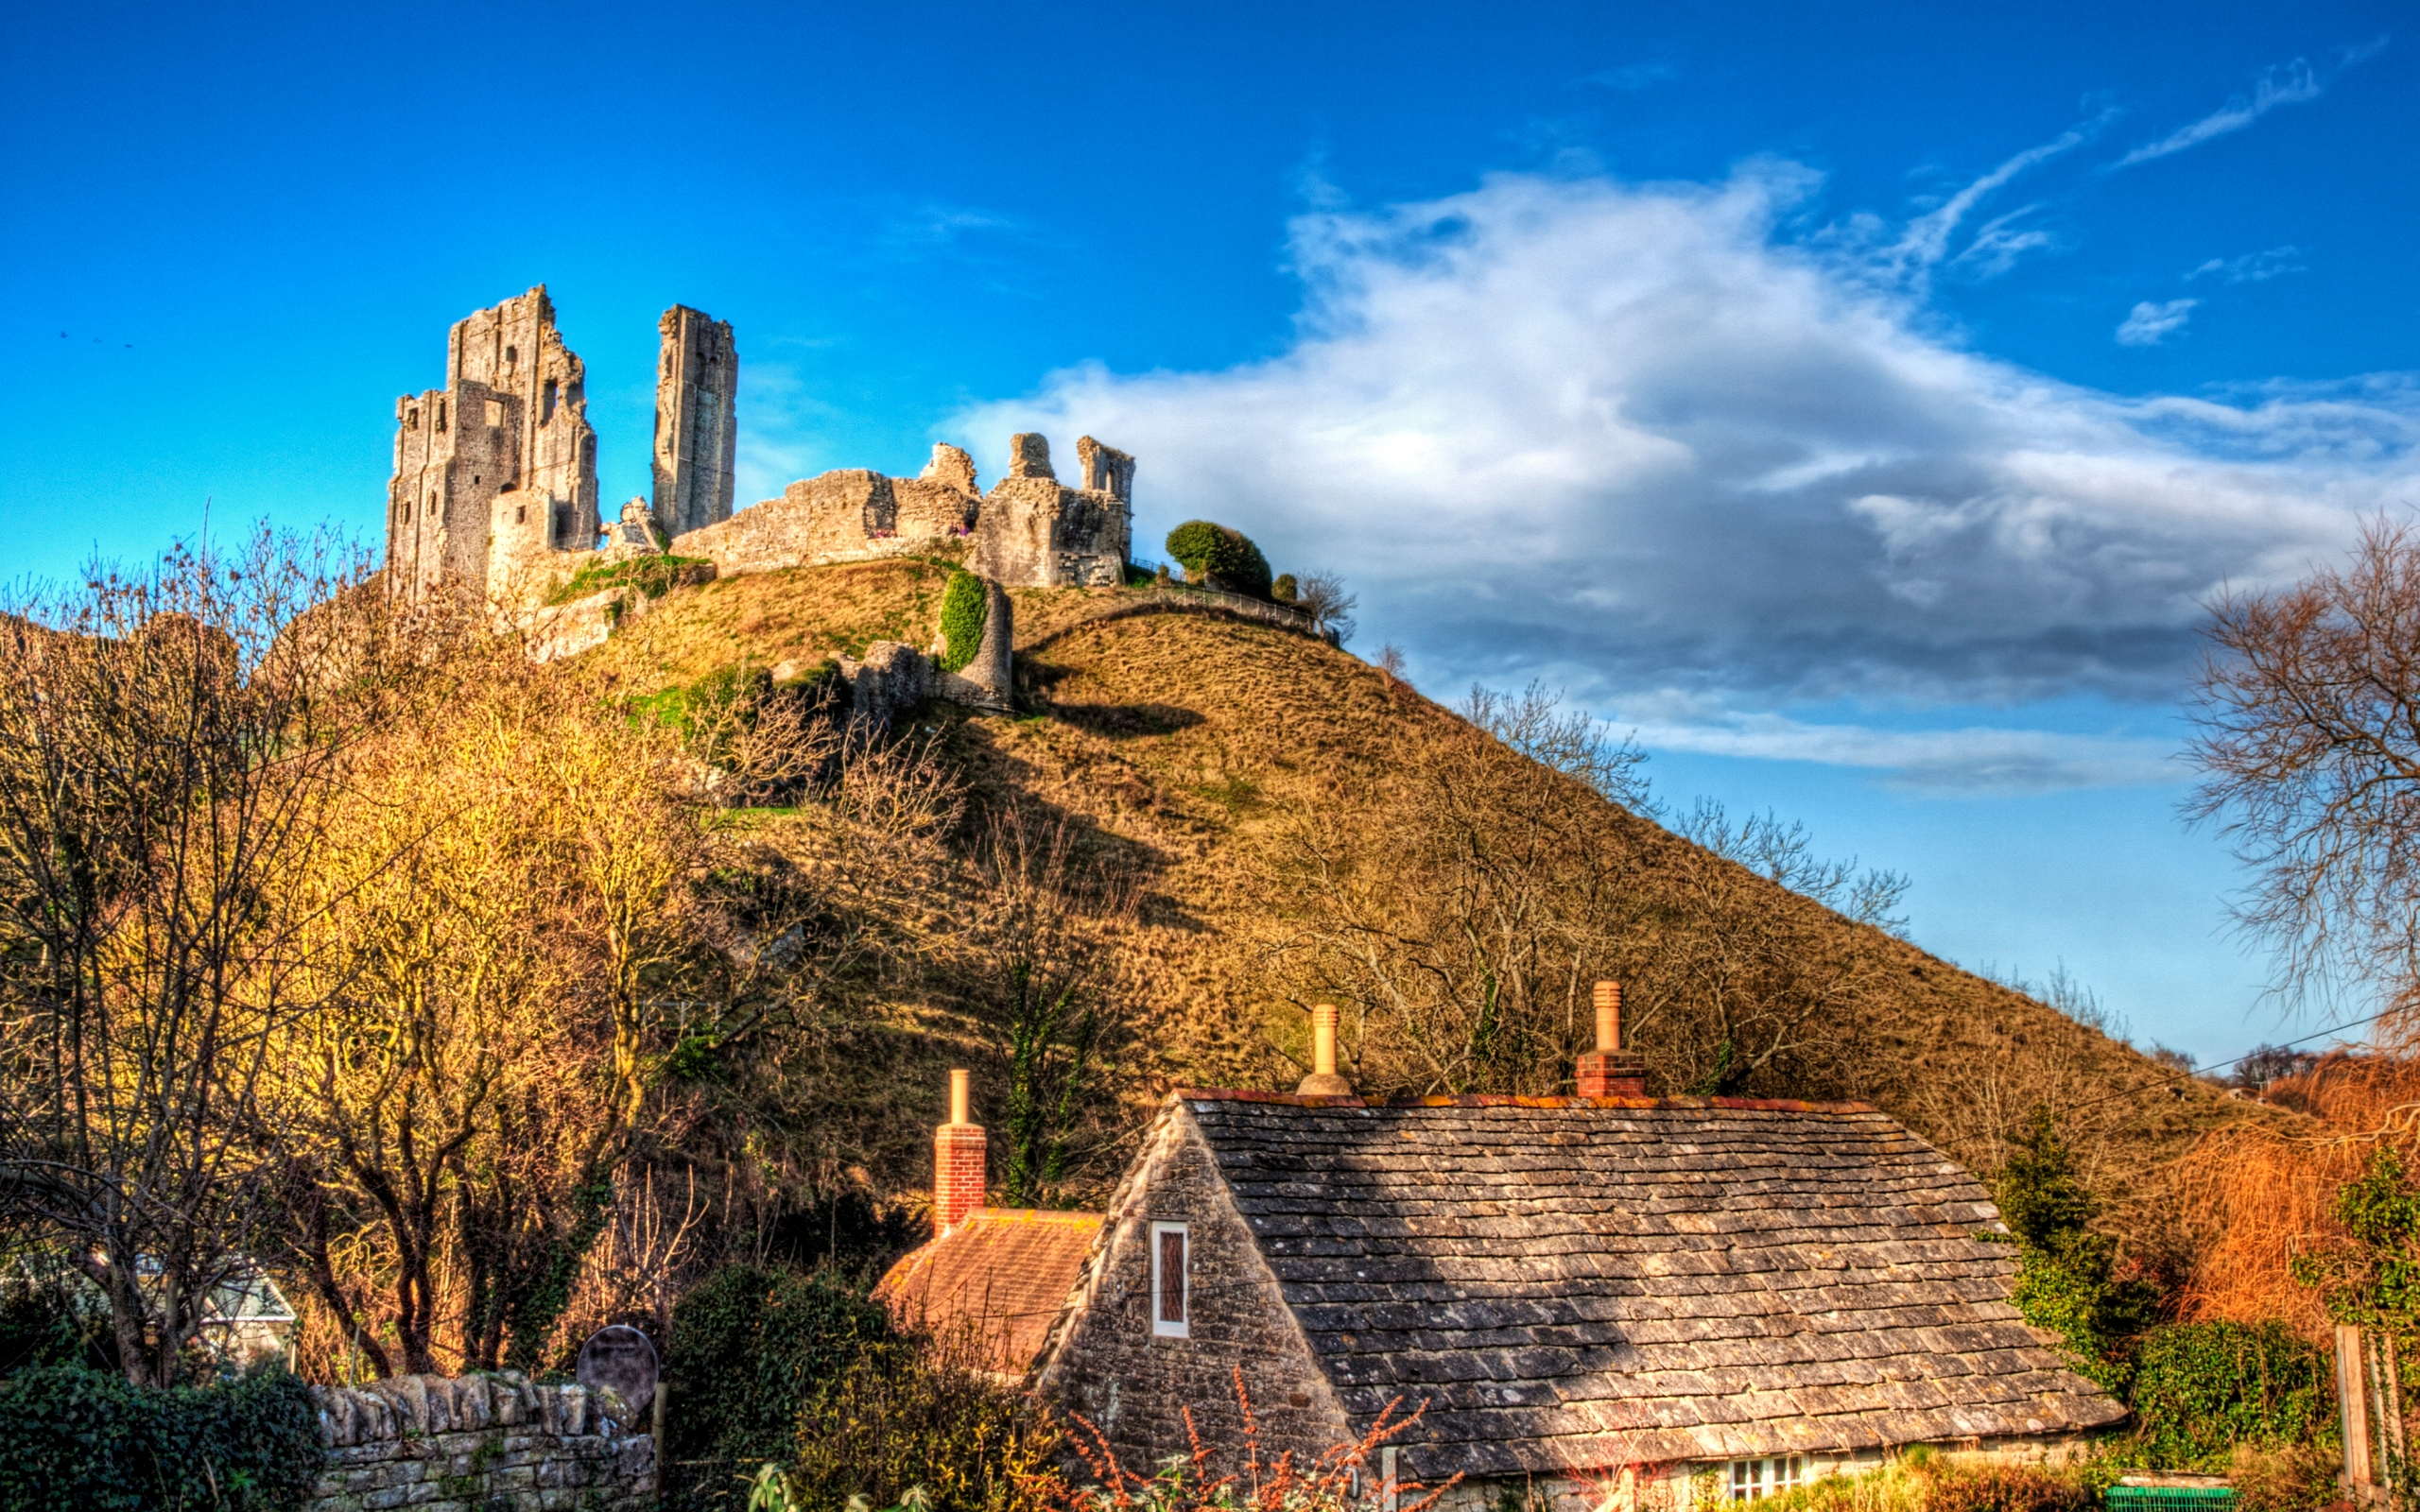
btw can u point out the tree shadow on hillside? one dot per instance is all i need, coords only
(1113, 721)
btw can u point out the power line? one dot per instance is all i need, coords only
(2178, 1078)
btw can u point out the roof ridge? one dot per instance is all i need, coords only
(1761, 1105)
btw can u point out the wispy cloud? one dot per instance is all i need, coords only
(1638, 436)
(1980, 761)
(2252, 268)
(2148, 324)
(1928, 237)
(2292, 83)
(2000, 242)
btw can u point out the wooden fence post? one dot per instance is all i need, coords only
(2352, 1399)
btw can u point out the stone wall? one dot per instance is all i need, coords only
(478, 1444)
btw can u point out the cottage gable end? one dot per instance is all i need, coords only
(1107, 1360)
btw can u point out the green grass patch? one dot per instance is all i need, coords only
(653, 577)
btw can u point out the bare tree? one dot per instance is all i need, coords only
(1321, 595)
(2308, 743)
(170, 745)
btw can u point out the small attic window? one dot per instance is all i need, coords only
(1171, 1280)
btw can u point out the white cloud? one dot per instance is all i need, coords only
(2293, 83)
(1632, 437)
(1978, 761)
(2252, 268)
(2148, 324)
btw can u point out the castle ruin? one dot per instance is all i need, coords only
(494, 491)
(696, 431)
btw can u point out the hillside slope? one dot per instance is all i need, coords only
(1289, 814)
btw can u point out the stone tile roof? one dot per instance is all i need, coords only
(1005, 1272)
(1576, 1283)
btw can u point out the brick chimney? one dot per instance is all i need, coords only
(957, 1161)
(1609, 1070)
(1324, 1081)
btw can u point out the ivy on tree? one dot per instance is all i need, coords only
(2066, 1278)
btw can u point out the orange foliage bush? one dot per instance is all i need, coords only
(2265, 1188)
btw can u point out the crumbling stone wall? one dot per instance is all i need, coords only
(478, 1444)
(696, 431)
(1036, 533)
(496, 474)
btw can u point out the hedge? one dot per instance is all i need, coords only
(1226, 557)
(81, 1440)
(750, 1347)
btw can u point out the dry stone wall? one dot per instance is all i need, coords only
(479, 1444)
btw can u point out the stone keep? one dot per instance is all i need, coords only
(697, 433)
(498, 467)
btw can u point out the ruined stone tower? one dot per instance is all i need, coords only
(697, 438)
(498, 467)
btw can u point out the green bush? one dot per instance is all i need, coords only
(962, 609)
(1226, 557)
(922, 1413)
(77, 1440)
(2201, 1389)
(749, 1347)
(1285, 590)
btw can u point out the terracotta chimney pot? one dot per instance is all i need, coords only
(1324, 1081)
(958, 1176)
(1609, 1070)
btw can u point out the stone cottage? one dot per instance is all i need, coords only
(1602, 1298)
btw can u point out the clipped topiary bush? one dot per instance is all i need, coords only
(79, 1440)
(1284, 590)
(962, 621)
(1226, 558)
(749, 1348)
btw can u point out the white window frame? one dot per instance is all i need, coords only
(1182, 1329)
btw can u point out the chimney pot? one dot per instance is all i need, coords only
(1324, 1081)
(958, 1148)
(1609, 1070)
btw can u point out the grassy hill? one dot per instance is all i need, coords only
(1297, 826)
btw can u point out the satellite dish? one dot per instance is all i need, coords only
(619, 1356)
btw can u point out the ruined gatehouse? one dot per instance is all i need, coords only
(494, 489)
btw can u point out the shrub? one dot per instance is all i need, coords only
(748, 1349)
(924, 1412)
(2295, 1478)
(1226, 558)
(1285, 589)
(81, 1442)
(2201, 1389)
(963, 606)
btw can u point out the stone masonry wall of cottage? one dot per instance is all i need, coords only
(1132, 1384)
(477, 1444)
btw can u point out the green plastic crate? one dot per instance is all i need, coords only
(2169, 1498)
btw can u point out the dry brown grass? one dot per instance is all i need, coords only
(1186, 747)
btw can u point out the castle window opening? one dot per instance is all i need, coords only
(520, 513)
(411, 419)
(440, 414)
(512, 355)
(546, 409)
(496, 412)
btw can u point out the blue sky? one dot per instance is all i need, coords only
(1856, 401)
